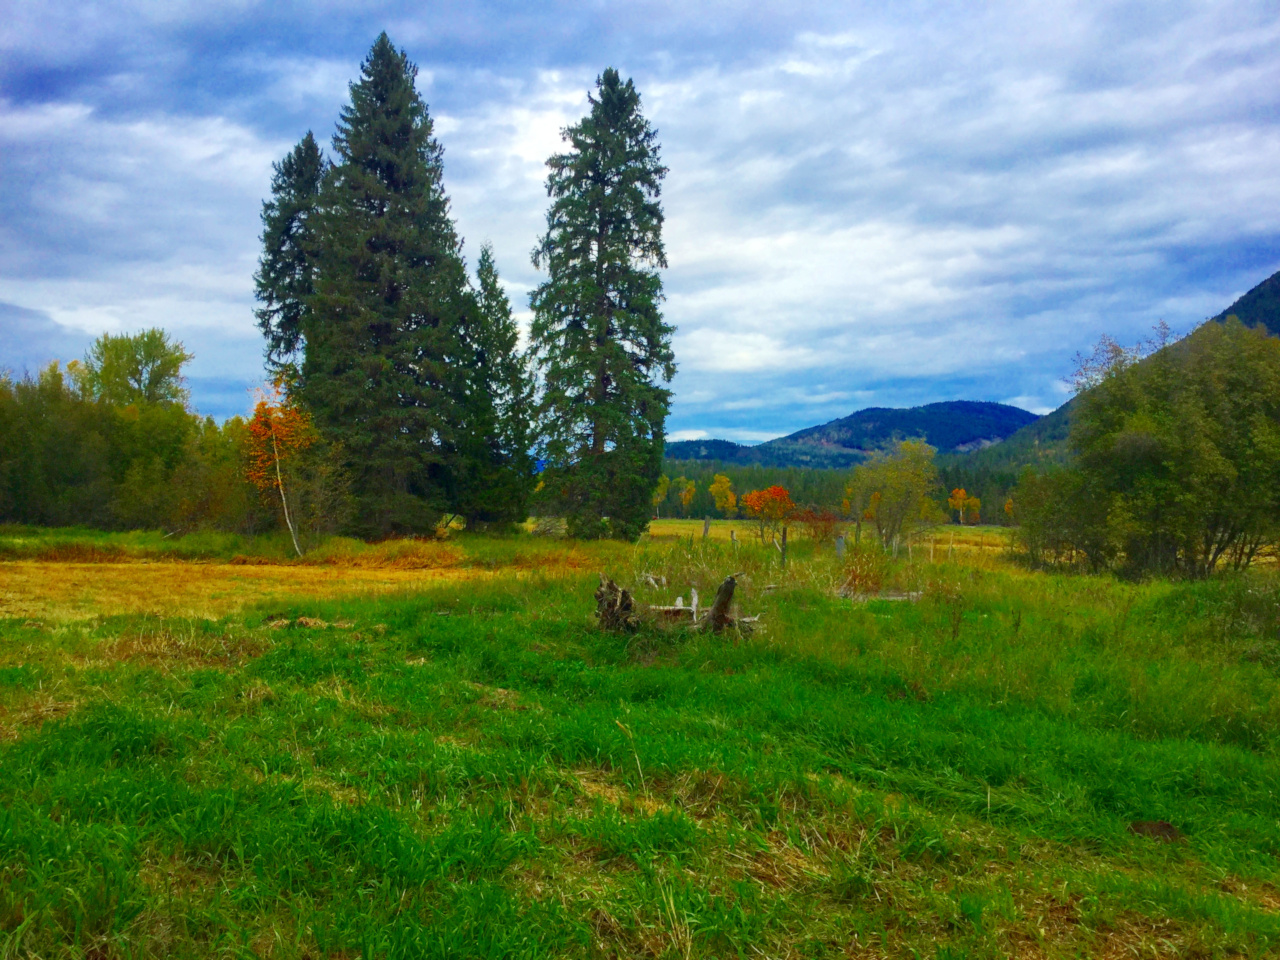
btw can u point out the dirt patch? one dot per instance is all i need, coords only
(497, 698)
(32, 712)
(171, 644)
(310, 623)
(782, 865)
(596, 785)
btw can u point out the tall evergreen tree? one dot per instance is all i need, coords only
(494, 476)
(284, 281)
(598, 329)
(385, 363)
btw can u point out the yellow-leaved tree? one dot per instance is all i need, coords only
(722, 492)
(892, 492)
(687, 492)
(660, 494)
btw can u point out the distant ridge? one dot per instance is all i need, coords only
(972, 434)
(955, 425)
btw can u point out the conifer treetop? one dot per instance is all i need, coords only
(284, 279)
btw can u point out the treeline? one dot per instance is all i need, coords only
(822, 489)
(109, 442)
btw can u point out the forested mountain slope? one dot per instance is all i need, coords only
(1045, 441)
(956, 425)
(1261, 305)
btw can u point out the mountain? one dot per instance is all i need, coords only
(1261, 305)
(953, 426)
(967, 434)
(1045, 441)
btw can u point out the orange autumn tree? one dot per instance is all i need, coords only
(958, 501)
(769, 507)
(277, 433)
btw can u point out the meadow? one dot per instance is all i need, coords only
(422, 749)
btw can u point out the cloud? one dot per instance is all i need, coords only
(30, 340)
(115, 225)
(688, 435)
(867, 204)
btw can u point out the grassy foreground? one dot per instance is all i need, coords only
(458, 763)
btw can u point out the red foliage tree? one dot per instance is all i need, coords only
(277, 433)
(769, 507)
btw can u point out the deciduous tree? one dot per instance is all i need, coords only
(687, 490)
(770, 508)
(722, 492)
(1183, 447)
(140, 368)
(894, 490)
(972, 509)
(1177, 457)
(278, 433)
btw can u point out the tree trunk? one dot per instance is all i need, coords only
(275, 450)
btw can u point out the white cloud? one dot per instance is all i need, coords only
(865, 205)
(118, 225)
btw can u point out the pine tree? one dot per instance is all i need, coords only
(495, 472)
(597, 329)
(385, 367)
(284, 281)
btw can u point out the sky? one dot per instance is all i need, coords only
(867, 204)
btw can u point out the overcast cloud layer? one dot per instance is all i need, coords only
(886, 204)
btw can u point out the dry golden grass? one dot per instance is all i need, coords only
(967, 539)
(73, 591)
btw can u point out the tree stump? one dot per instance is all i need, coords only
(718, 617)
(615, 610)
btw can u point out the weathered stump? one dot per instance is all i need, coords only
(615, 610)
(718, 617)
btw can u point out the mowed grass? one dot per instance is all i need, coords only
(466, 766)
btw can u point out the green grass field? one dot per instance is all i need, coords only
(455, 761)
